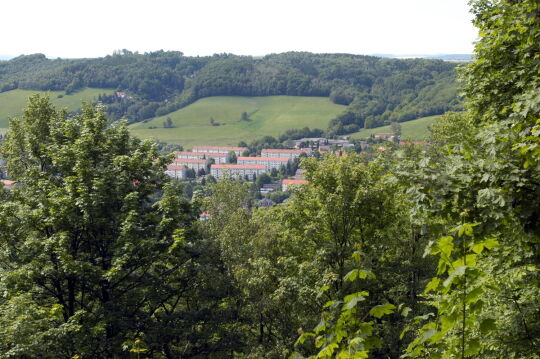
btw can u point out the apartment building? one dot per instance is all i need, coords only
(218, 157)
(237, 171)
(195, 164)
(291, 154)
(269, 162)
(175, 171)
(216, 149)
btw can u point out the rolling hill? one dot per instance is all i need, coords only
(413, 130)
(269, 115)
(12, 102)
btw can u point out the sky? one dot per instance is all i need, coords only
(75, 29)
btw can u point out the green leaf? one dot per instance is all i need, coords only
(473, 295)
(491, 243)
(473, 347)
(433, 284)
(405, 312)
(487, 325)
(446, 245)
(321, 326)
(352, 299)
(458, 272)
(380, 310)
(358, 274)
(329, 303)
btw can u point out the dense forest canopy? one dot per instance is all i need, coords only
(377, 90)
(415, 252)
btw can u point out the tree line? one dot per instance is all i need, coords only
(377, 91)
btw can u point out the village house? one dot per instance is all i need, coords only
(8, 184)
(249, 172)
(216, 149)
(269, 162)
(286, 183)
(284, 152)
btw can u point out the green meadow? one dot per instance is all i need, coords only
(413, 130)
(12, 102)
(268, 116)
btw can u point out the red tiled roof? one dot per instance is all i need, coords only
(266, 159)
(187, 153)
(294, 181)
(239, 167)
(275, 150)
(218, 148)
(189, 160)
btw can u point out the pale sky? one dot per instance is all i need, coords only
(74, 28)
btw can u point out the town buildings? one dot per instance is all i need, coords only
(249, 172)
(269, 162)
(217, 156)
(285, 152)
(216, 149)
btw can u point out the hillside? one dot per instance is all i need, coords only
(12, 102)
(270, 115)
(375, 90)
(414, 130)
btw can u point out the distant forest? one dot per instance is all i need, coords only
(376, 90)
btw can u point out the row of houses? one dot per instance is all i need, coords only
(246, 167)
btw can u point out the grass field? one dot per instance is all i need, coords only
(13, 102)
(413, 130)
(271, 115)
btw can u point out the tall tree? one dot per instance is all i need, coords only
(89, 241)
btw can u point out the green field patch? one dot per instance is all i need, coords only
(13, 102)
(268, 116)
(414, 130)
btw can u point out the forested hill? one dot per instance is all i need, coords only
(376, 90)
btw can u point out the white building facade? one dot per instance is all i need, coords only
(216, 149)
(269, 162)
(237, 171)
(218, 157)
(291, 154)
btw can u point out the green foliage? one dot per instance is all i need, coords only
(375, 90)
(96, 248)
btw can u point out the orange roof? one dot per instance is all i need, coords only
(276, 150)
(188, 153)
(188, 160)
(294, 181)
(8, 182)
(239, 167)
(207, 154)
(201, 148)
(266, 159)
